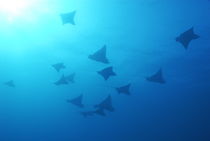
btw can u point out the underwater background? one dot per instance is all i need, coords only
(140, 38)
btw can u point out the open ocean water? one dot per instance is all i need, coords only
(105, 70)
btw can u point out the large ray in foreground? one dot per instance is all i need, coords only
(68, 18)
(107, 72)
(77, 101)
(186, 37)
(100, 56)
(157, 77)
(106, 104)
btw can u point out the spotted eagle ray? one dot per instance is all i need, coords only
(70, 78)
(58, 66)
(68, 18)
(77, 101)
(186, 37)
(100, 56)
(124, 89)
(157, 77)
(106, 104)
(107, 72)
(61, 81)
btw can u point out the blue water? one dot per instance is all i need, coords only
(140, 38)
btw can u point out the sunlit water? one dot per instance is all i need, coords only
(140, 38)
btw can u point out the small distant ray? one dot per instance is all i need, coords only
(77, 101)
(107, 72)
(124, 89)
(100, 56)
(157, 77)
(106, 104)
(61, 81)
(58, 66)
(186, 37)
(100, 112)
(10, 83)
(88, 113)
(70, 78)
(68, 18)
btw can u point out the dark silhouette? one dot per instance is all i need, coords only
(68, 18)
(61, 81)
(186, 37)
(124, 89)
(70, 78)
(88, 113)
(77, 101)
(100, 56)
(106, 104)
(10, 83)
(98, 111)
(107, 72)
(157, 77)
(58, 66)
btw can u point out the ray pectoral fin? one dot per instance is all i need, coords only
(177, 39)
(90, 56)
(196, 36)
(185, 45)
(100, 112)
(99, 72)
(118, 90)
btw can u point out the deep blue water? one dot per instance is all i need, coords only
(140, 39)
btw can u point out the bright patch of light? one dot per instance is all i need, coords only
(14, 8)
(16, 11)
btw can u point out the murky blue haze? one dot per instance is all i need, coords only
(140, 38)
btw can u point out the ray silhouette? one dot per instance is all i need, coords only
(124, 89)
(186, 37)
(61, 81)
(77, 101)
(106, 73)
(70, 78)
(157, 77)
(10, 83)
(58, 66)
(100, 56)
(68, 18)
(106, 104)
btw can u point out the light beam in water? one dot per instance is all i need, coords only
(14, 8)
